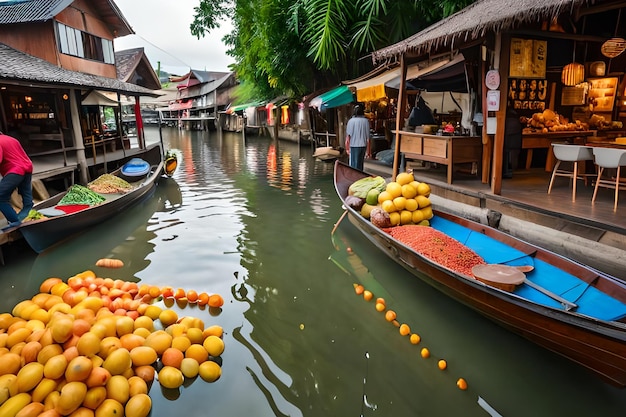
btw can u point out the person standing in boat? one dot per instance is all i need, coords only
(357, 138)
(16, 169)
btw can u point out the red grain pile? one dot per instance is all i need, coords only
(438, 247)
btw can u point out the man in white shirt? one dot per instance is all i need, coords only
(357, 138)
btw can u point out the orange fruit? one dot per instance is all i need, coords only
(415, 339)
(94, 397)
(98, 377)
(168, 317)
(143, 355)
(145, 372)
(198, 352)
(390, 315)
(405, 329)
(442, 364)
(41, 391)
(425, 353)
(215, 330)
(181, 343)
(159, 341)
(189, 367)
(130, 341)
(214, 346)
(367, 295)
(78, 369)
(192, 296)
(359, 289)
(118, 361)
(172, 357)
(29, 376)
(10, 363)
(47, 285)
(210, 371)
(203, 299)
(118, 389)
(195, 335)
(138, 406)
(170, 377)
(216, 301)
(462, 384)
(394, 189)
(72, 396)
(88, 344)
(55, 366)
(109, 407)
(137, 386)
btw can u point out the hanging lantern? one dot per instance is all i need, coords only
(613, 47)
(573, 74)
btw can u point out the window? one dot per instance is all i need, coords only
(84, 45)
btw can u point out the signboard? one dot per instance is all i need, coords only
(493, 100)
(528, 58)
(528, 94)
(492, 79)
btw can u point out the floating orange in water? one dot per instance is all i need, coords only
(425, 353)
(415, 338)
(461, 384)
(442, 364)
(405, 329)
(359, 289)
(390, 315)
(216, 301)
(380, 307)
(367, 295)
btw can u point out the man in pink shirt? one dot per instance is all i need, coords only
(16, 169)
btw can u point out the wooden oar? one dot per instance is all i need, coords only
(508, 277)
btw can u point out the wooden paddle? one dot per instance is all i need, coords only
(507, 277)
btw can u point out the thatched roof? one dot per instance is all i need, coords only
(474, 22)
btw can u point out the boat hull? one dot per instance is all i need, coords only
(597, 345)
(45, 233)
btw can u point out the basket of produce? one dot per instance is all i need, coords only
(79, 194)
(109, 184)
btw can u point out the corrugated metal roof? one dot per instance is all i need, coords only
(28, 11)
(16, 66)
(31, 10)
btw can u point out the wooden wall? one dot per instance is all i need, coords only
(39, 39)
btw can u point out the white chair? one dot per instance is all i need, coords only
(570, 153)
(609, 158)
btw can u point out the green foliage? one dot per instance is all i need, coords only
(294, 47)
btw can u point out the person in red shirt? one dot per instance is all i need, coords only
(16, 169)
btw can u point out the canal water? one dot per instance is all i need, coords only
(251, 219)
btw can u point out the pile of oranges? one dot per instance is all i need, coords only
(92, 346)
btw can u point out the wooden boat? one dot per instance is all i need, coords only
(44, 233)
(562, 305)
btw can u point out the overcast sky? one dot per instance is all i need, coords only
(162, 28)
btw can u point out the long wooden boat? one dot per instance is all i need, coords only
(44, 233)
(562, 305)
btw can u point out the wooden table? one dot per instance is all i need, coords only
(531, 141)
(445, 150)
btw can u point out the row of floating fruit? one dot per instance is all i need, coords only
(92, 346)
(403, 328)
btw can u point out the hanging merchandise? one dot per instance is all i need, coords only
(573, 74)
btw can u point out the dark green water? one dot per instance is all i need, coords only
(252, 220)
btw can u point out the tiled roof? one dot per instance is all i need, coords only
(126, 61)
(16, 66)
(31, 10)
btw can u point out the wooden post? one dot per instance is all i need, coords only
(79, 143)
(498, 144)
(399, 117)
(486, 140)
